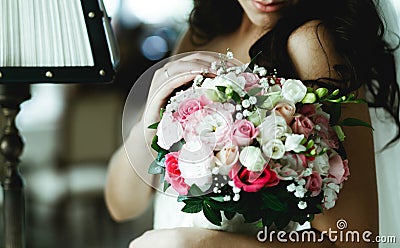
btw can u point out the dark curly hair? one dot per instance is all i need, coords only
(356, 27)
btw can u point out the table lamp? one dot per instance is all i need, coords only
(45, 41)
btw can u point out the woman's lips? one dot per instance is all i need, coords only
(269, 7)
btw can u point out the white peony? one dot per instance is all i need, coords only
(321, 164)
(169, 131)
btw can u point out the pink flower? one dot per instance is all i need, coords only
(173, 174)
(314, 183)
(303, 125)
(189, 106)
(290, 166)
(326, 132)
(339, 169)
(251, 80)
(243, 132)
(286, 110)
(242, 178)
(210, 125)
(307, 110)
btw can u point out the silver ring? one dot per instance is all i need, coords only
(166, 72)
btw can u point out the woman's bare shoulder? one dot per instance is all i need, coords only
(312, 50)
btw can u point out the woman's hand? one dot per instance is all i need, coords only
(173, 75)
(174, 238)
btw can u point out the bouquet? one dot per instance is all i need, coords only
(248, 142)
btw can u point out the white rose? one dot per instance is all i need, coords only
(321, 164)
(251, 157)
(273, 127)
(226, 158)
(292, 143)
(294, 90)
(195, 162)
(274, 149)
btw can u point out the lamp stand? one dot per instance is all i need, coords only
(11, 146)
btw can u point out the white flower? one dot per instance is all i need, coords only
(246, 103)
(169, 131)
(291, 187)
(293, 141)
(239, 116)
(294, 90)
(300, 191)
(253, 100)
(321, 164)
(273, 127)
(274, 149)
(252, 159)
(195, 162)
(197, 80)
(247, 113)
(302, 205)
(229, 55)
(238, 107)
(226, 158)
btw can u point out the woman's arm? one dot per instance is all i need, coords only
(313, 56)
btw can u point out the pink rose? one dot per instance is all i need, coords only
(314, 183)
(243, 132)
(173, 174)
(189, 106)
(339, 169)
(307, 110)
(290, 166)
(303, 125)
(326, 132)
(251, 80)
(241, 178)
(286, 110)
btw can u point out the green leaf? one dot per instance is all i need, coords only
(153, 126)
(166, 185)
(352, 122)
(218, 198)
(282, 221)
(236, 97)
(339, 132)
(221, 88)
(154, 144)
(162, 110)
(195, 191)
(212, 215)
(181, 198)
(254, 91)
(229, 215)
(253, 61)
(272, 202)
(155, 167)
(192, 208)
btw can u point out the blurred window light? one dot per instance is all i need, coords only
(158, 11)
(154, 47)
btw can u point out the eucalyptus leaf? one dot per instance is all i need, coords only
(254, 91)
(166, 185)
(195, 191)
(155, 167)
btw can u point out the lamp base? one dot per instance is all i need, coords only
(11, 146)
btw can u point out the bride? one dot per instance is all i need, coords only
(333, 43)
